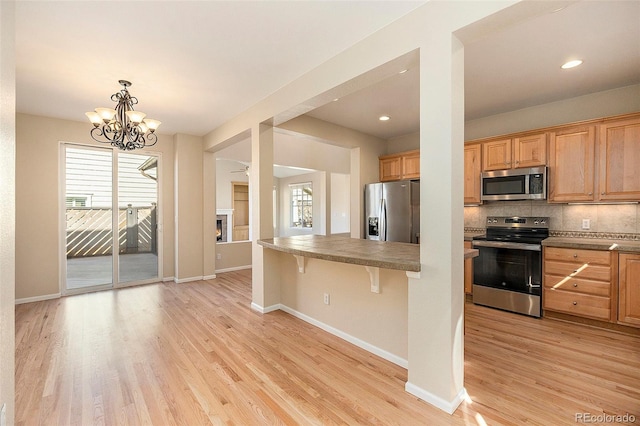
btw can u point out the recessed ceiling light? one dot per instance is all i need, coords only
(571, 64)
(336, 99)
(384, 118)
(403, 71)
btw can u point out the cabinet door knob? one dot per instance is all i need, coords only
(575, 303)
(602, 193)
(591, 193)
(575, 255)
(575, 285)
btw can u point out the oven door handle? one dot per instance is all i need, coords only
(507, 245)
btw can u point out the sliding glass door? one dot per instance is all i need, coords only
(111, 207)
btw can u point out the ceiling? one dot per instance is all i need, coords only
(514, 68)
(195, 65)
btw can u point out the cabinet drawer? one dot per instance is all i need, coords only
(578, 270)
(577, 285)
(599, 257)
(583, 305)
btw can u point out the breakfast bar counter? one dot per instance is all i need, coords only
(380, 254)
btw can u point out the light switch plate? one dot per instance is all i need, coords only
(586, 223)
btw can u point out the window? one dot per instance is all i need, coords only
(77, 201)
(301, 205)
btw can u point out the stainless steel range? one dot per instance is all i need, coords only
(507, 274)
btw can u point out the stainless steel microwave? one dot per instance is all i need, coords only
(515, 184)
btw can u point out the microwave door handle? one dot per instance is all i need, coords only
(527, 184)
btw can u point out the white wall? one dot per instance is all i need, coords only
(37, 229)
(7, 212)
(225, 174)
(607, 103)
(595, 105)
(340, 203)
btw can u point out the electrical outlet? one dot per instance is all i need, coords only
(326, 298)
(218, 256)
(586, 223)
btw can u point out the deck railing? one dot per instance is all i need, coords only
(89, 231)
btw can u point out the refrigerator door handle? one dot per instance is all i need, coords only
(383, 220)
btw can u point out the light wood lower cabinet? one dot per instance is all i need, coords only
(468, 271)
(629, 289)
(579, 282)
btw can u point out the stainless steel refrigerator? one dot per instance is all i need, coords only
(392, 211)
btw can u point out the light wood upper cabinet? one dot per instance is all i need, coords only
(571, 164)
(390, 168)
(585, 168)
(629, 288)
(496, 155)
(404, 165)
(524, 151)
(619, 150)
(411, 165)
(472, 170)
(530, 151)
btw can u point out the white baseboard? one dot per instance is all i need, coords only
(436, 401)
(187, 280)
(235, 268)
(38, 298)
(349, 338)
(209, 277)
(168, 279)
(266, 310)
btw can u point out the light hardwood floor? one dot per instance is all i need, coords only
(195, 354)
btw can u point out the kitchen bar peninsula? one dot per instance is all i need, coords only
(354, 288)
(381, 254)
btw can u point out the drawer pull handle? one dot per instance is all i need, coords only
(575, 256)
(575, 285)
(575, 303)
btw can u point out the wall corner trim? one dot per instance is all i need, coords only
(260, 309)
(447, 406)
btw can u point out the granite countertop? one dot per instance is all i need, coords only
(468, 236)
(381, 254)
(593, 244)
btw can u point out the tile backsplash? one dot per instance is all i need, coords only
(609, 218)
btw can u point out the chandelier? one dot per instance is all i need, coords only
(123, 127)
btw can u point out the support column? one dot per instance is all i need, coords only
(265, 282)
(209, 215)
(436, 294)
(328, 208)
(188, 209)
(8, 211)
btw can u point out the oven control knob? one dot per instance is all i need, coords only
(535, 222)
(495, 220)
